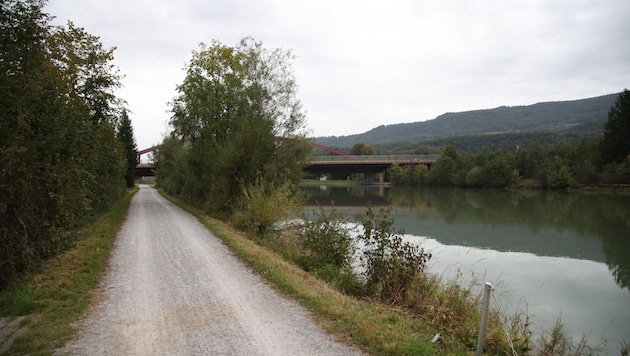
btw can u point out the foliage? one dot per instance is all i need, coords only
(615, 144)
(517, 125)
(362, 149)
(235, 121)
(556, 342)
(125, 135)
(61, 162)
(56, 298)
(391, 265)
(263, 203)
(327, 242)
(560, 167)
(412, 174)
(442, 171)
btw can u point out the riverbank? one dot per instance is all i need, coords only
(328, 183)
(57, 298)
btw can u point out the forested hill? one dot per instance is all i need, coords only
(581, 116)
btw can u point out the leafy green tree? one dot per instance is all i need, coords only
(89, 71)
(125, 135)
(238, 117)
(60, 160)
(396, 173)
(362, 149)
(442, 171)
(451, 152)
(615, 144)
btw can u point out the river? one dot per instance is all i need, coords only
(553, 254)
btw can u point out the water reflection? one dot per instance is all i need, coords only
(564, 253)
(595, 227)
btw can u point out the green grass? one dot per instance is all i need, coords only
(375, 328)
(58, 296)
(443, 306)
(329, 182)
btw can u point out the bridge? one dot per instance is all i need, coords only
(364, 164)
(374, 166)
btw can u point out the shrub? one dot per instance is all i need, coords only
(329, 250)
(328, 241)
(263, 204)
(391, 266)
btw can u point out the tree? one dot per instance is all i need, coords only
(238, 115)
(125, 136)
(615, 144)
(60, 160)
(88, 69)
(441, 172)
(450, 151)
(362, 149)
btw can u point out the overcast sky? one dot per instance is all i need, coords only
(363, 63)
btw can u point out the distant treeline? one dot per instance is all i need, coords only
(598, 161)
(505, 141)
(560, 167)
(60, 158)
(505, 127)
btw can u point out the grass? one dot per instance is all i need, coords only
(329, 183)
(376, 328)
(443, 306)
(58, 296)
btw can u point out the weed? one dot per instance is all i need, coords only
(263, 204)
(327, 241)
(391, 265)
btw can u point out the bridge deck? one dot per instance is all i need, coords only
(340, 164)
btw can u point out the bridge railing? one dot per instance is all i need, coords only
(375, 158)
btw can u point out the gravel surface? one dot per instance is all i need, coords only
(173, 288)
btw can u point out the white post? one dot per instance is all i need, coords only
(484, 318)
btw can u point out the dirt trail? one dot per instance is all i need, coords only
(173, 288)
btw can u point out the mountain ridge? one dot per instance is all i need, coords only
(544, 117)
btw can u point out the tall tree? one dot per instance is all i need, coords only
(615, 144)
(238, 115)
(59, 158)
(126, 137)
(24, 202)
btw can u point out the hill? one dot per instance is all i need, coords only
(551, 122)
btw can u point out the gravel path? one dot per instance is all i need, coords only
(172, 288)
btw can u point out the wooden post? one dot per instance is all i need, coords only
(484, 318)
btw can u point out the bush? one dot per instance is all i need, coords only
(391, 266)
(263, 204)
(328, 241)
(329, 250)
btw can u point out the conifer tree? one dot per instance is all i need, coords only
(126, 137)
(615, 144)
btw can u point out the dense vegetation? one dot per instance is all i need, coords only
(61, 161)
(125, 135)
(238, 140)
(605, 161)
(505, 141)
(504, 127)
(560, 167)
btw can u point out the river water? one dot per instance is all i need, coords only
(553, 254)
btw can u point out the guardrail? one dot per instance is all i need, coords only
(378, 158)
